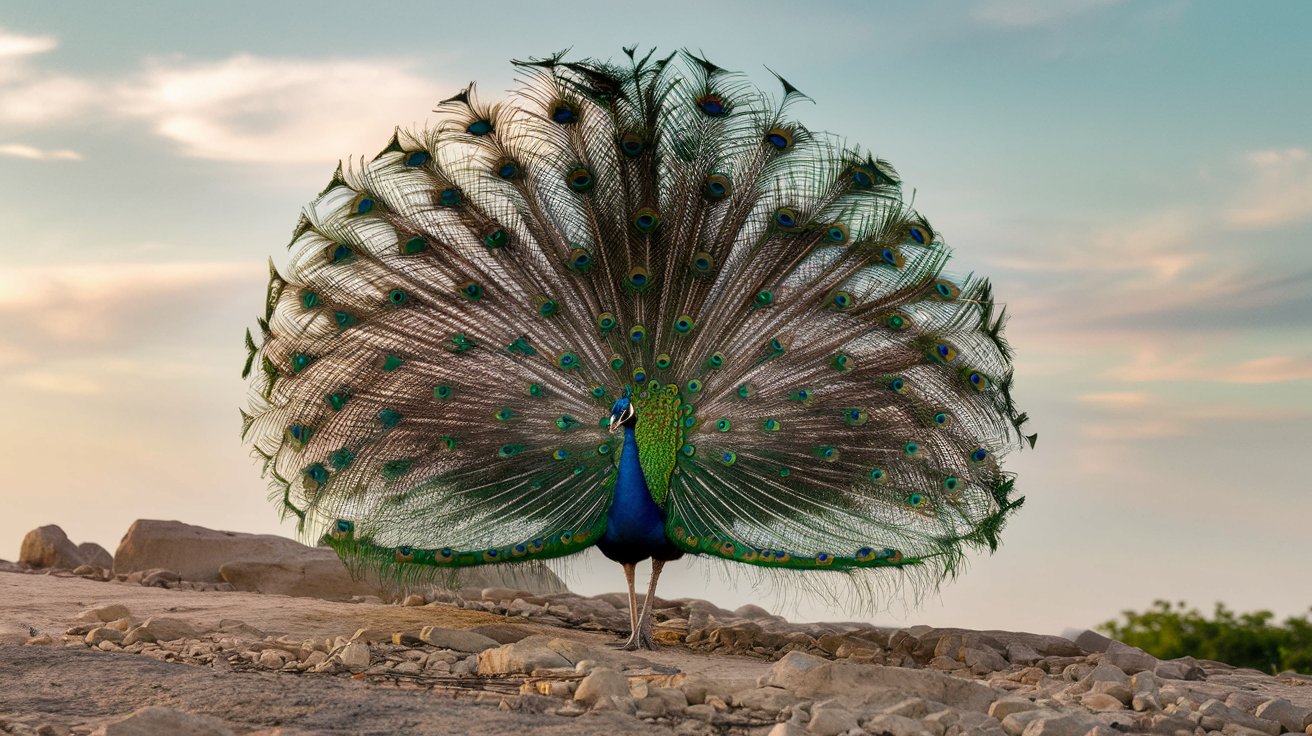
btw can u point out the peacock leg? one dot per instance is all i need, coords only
(642, 638)
(629, 570)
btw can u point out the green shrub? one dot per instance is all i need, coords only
(1243, 640)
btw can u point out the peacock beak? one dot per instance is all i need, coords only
(614, 422)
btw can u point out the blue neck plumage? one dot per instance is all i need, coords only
(632, 499)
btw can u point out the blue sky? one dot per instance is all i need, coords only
(1135, 177)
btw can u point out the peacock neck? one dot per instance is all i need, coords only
(631, 493)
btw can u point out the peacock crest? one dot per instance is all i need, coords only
(459, 315)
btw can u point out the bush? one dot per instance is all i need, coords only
(1243, 640)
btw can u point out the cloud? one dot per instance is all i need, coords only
(15, 44)
(253, 109)
(18, 150)
(1279, 191)
(30, 96)
(1115, 399)
(1036, 13)
(1152, 363)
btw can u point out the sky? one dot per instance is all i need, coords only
(1136, 179)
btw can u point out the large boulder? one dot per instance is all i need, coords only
(195, 552)
(96, 555)
(266, 563)
(49, 546)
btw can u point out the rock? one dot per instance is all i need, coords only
(164, 628)
(96, 556)
(895, 725)
(1115, 689)
(1246, 700)
(812, 677)
(504, 633)
(791, 670)
(601, 683)
(787, 728)
(1101, 701)
(1222, 714)
(1007, 706)
(523, 656)
(1106, 672)
(831, 718)
(1089, 641)
(752, 611)
(354, 656)
(1068, 724)
(1184, 668)
(49, 546)
(103, 633)
(414, 599)
(460, 641)
(272, 659)
(982, 661)
(1129, 659)
(1022, 653)
(154, 720)
(112, 612)
(768, 699)
(1017, 722)
(1291, 717)
(499, 595)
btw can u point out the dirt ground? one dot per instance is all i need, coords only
(66, 688)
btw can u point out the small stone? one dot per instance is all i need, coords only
(354, 656)
(1127, 658)
(1101, 701)
(1007, 706)
(164, 628)
(499, 594)
(1291, 717)
(1179, 669)
(791, 670)
(1146, 702)
(700, 711)
(414, 599)
(1117, 690)
(895, 725)
(768, 699)
(1246, 700)
(524, 656)
(1016, 723)
(602, 682)
(675, 700)
(139, 634)
(1223, 713)
(103, 633)
(830, 719)
(982, 661)
(1069, 724)
(1022, 653)
(650, 707)
(456, 639)
(272, 659)
(112, 612)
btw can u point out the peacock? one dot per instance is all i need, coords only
(636, 306)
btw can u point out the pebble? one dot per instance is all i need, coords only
(602, 682)
(354, 656)
(1291, 717)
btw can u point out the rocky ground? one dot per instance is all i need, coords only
(109, 653)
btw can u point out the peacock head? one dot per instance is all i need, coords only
(622, 413)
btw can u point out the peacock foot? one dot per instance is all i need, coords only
(640, 639)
